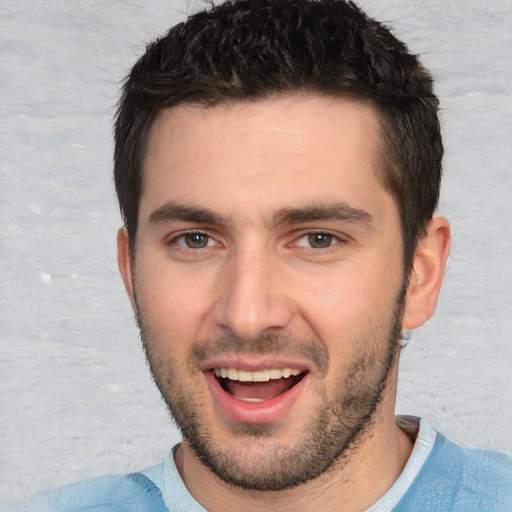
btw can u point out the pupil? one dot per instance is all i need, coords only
(196, 240)
(320, 240)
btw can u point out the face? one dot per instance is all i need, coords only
(268, 283)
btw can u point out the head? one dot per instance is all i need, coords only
(253, 49)
(277, 165)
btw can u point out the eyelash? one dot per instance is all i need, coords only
(333, 239)
(175, 240)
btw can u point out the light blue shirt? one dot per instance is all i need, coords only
(440, 476)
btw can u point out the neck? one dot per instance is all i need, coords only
(352, 484)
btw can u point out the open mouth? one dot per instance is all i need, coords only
(257, 386)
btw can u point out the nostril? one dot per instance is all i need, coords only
(249, 305)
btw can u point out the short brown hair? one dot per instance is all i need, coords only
(251, 49)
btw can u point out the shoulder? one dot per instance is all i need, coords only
(458, 478)
(491, 470)
(106, 494)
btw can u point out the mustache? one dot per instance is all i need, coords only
(269, 344)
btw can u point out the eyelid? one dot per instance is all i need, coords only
(306, 233)
(174, 238)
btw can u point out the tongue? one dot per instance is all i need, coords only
(260, 390)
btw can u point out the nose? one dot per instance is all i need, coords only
(252, 296)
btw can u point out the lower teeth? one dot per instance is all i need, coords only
(247, 399)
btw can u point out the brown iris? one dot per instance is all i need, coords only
(320, 240)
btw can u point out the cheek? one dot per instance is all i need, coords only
(347, 308)
(347, 295)
(174, 302)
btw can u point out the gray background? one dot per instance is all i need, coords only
(76, 399)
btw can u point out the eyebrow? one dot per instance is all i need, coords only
(324, 211)
(171, 212)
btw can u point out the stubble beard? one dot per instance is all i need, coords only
(335, 430)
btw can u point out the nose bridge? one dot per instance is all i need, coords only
(251, 299)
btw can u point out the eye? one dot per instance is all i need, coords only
(194, 240)
(317, 240)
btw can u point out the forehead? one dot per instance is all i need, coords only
(270, 152)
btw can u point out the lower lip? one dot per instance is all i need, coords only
(239, 411)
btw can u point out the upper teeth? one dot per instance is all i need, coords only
(256, 376)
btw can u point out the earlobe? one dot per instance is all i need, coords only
(427, 274)
(124, 261)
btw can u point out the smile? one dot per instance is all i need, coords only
(256, 376)
(258, 386)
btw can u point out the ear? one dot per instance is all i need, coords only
(124, 260)
(427, 274)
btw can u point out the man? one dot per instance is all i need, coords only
(278, 166)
